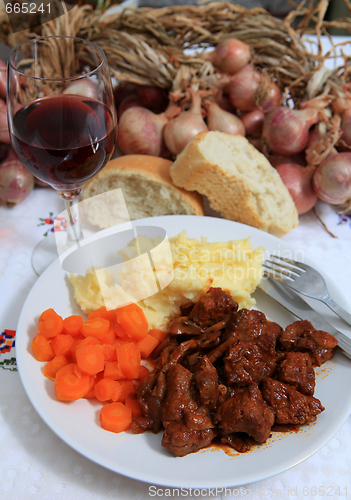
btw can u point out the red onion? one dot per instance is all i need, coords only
(332, 179)
(153, 98)
(82, 87)
(141, 132)
(243, 88)
(4, 151)
(123, 90)
(286, 130)
(181, 130)
(4, 125)
(129, 102)
(273, 97)
(16, 182)
(218, 119)
(253, 121)
(346, 129)
(230, 55)
(298, 180)
(3, 77)
(276, 160)
(224, 102)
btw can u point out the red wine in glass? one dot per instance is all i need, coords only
(65, 139)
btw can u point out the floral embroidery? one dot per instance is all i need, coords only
(56, 223)
(7, 341)
(344, 219)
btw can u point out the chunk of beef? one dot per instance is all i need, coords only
(150, 395)
(182, 401)
(289, 405)
(180, 440)
(297, 370)
(213, 307)
(302, 336)
(246, 411)
(187, 424)
(249, 324)
(250, 361)
(207, 383)
(236, 441)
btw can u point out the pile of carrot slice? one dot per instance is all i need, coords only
(98, 358)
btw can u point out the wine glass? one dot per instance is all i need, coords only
(62, 117)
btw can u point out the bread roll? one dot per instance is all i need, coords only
(238, 181)
(147, 189)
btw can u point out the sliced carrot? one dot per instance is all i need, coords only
(109, 352)
(53, 366)
(95, 327)
(50, 323)
(119, 341)
(133, 320)
(107, 390)
(127, 389)
(146, 345)
(158, 334)
(90, 359)
(112, 370)
(133, 404)
(120, 331)
(73, 325)
(102, 312)
(115, 417)
(62, 344)
(91, 394)
(70, 384)
(143, 372)
(81, 343)
(110, 337)
(42, 349)
(128, 357)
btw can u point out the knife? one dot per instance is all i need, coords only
(302, 310)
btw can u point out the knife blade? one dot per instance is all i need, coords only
(302, 310)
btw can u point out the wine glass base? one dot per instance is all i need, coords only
(44, 254)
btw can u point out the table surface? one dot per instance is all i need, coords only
(35, 463)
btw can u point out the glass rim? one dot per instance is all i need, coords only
(78, 77)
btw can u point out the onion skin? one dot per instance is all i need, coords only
(243, 88)
(332, 179)
(253, 121)
(141, 132)
(128, 102)
(151, 97)
(181, 130)
(346, 129)
(286, 131)
(273, 98)
(16, 182)
(298, 180)
(82, 87)
(221, 120)
(3, 77)
(230, 55)
(4, 124)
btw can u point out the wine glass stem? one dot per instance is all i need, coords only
(74, 231)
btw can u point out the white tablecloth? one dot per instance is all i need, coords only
(35, 463)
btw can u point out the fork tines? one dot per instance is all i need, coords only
(281, 269)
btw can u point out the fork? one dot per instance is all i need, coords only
(303, 279)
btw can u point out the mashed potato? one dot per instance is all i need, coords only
(197, 265)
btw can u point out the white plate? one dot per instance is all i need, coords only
(141, 456)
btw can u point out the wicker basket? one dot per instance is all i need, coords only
(163, 47)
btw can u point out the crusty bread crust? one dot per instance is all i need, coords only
(249, 190)
(138, 176)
